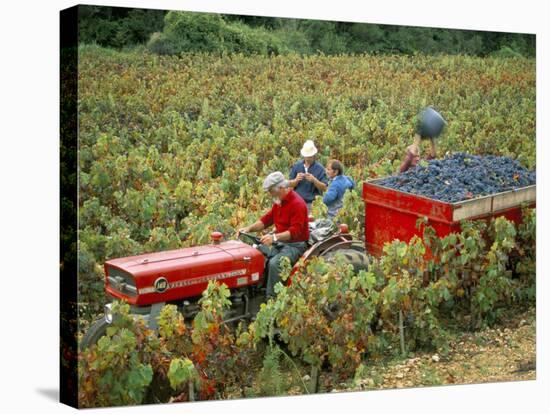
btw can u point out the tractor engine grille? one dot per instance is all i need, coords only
(122, 282)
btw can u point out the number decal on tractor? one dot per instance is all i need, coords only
(161, 284)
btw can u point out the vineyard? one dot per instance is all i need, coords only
(173, 148)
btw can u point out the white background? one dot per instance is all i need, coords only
(29, 174)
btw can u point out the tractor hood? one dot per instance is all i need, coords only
(182, 273)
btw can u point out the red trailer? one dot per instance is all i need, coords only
(392, 214)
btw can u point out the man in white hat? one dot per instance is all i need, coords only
(290, 217)
(307, 176)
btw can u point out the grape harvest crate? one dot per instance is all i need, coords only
(392, 214)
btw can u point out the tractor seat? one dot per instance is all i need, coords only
(320, 230)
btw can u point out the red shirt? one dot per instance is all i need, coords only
(290, 215)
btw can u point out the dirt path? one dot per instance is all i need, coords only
(504, 353)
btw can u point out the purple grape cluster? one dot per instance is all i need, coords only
(461, 176)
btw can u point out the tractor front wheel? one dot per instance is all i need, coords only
(96, 330)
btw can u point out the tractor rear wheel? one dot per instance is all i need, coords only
(357, 258)
(96, 330)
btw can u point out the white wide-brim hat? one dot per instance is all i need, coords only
(309, 149)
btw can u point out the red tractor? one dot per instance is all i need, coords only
(149, 281)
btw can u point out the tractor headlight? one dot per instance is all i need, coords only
(108, 313)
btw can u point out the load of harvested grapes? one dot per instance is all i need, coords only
(462, 176)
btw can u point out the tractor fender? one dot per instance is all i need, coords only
(353, 250)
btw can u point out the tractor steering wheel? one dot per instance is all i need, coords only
(252, 239)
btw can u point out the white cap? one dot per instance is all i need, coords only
(273, 179)
(308, 150)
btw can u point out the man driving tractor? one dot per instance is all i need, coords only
(290, 216)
